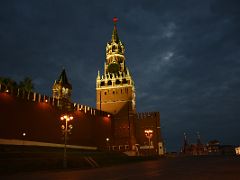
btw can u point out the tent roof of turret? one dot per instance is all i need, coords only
(63, 79)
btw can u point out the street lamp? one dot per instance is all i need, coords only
(149, 134)
(107, 140)
(24, 134)
(66, 129)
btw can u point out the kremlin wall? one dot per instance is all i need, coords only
(38, 116)
(113, 125)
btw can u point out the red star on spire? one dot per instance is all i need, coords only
(115, 19)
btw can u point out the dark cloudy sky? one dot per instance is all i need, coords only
(184, 56)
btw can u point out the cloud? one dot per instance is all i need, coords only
(169, 30)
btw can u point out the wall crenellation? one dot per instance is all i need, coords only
(37, 97)
(143, 115)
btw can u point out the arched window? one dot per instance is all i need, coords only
(118, 82)
(102, 83)
(113, 48)
(109, 82)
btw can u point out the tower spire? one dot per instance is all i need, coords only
(185, 139)
(185, 143)
(198, 138)
(115, 37)
(63, 79)
(115, 60)
(62, 90)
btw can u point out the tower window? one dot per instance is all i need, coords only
(121, 91)
(124, 81)
(102, 83)
(109, 82)
(117, 81)
(113, 92)
(113, 48)
(105, 93)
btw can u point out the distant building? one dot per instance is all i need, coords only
(213, 147)
(237, 150)
(227, 150)
(193, 149)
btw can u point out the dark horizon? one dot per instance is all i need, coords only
(184, 57)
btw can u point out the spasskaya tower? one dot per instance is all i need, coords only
(115, 91)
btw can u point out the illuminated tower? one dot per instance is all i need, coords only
(115, 91)
(115, 88)
(62, 90)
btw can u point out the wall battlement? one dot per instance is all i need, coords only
(37, 97)
(143, 115)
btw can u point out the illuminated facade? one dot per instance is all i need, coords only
(62, 89)
(237, 150)
(115, 88)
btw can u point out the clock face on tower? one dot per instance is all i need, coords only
(113, 67)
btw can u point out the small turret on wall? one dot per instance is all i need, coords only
(62, 90)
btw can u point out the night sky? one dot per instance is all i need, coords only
(184, 56)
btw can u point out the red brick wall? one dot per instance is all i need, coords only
(41, 122)
(148, 121)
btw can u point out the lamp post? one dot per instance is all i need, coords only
(24, 134)
(66, 129)
(107, 140)
(149, 134)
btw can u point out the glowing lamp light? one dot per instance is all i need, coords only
(107, 143)
(66, 117)
(7, 91)
(148, 133)
(108, 115)
(46, 100)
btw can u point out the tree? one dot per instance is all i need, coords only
(26, 84)
(8, 82)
